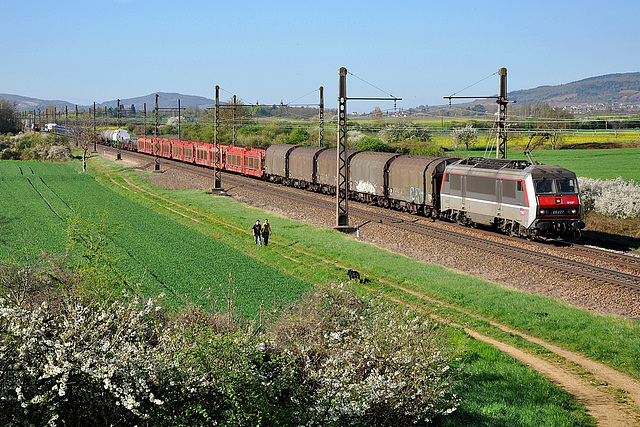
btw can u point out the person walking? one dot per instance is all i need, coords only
(266, 231)
(256, 232)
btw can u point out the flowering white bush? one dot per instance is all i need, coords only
(467, 136)
(55, 363)
(369, 362)
(615, 198)
(335, 359)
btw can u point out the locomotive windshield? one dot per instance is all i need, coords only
(567, 186)
(556, 186)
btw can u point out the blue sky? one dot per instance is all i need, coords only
(272, 51)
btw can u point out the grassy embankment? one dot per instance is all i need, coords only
(191, 256)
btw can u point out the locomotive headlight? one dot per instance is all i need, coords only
(574, 211)
(542, 212)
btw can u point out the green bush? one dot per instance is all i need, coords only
(369, 143)
(298, 136)
(27, 146)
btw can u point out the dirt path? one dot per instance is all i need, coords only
(611, 397)
(601, 404)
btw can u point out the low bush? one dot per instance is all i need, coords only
(612, 198)
(367, 362)
(26, 146)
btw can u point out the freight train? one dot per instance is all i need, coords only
(517, 197)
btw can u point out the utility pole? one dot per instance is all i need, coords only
(155, 139)
(321, 132)
(95, 147)
(179, 120)
(502, 101)
(217, 151)
(118, 114)
(76, 123)
(342, 188)
(235, 130)
(144, 120)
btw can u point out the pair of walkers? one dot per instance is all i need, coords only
(261, 231)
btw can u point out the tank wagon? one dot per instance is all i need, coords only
(515, 196)
(116, 137)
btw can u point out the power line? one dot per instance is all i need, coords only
(313, 91)
(471, 85)
(370, 84)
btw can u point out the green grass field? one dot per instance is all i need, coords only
(190, 253)
(160, 254)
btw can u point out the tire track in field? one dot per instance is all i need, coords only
(44, 199)
(600, 401)
(140, 192)
(112, 239)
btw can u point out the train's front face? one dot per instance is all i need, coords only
(557, 201)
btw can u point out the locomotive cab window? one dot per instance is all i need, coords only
(567, 185)
(556, 186)
(544, 186)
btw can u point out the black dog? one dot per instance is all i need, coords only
(353, 274)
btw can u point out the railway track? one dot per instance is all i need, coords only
(588, 269)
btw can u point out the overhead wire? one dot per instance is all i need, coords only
(303, 96)
(370, 84)
(473, 84)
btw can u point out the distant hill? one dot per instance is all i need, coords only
(165, 100)
(25, 103)
(610, 90)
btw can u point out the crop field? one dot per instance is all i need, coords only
(160, 254)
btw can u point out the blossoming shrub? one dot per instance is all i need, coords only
(367, 361)
(333, 359)
(78, 364)
(614, 198)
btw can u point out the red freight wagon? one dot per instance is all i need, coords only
(245, 160)
(205, 154)
(182, 150)
(163, 147)
(144, 145)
